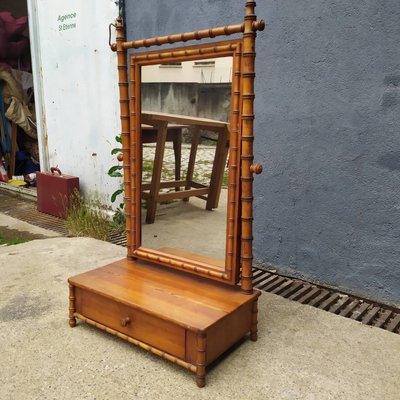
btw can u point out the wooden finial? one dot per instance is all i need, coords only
(250, 5)
(119, 28)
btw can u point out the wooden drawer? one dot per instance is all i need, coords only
(149, 329)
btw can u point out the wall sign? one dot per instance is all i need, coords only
(66, 21)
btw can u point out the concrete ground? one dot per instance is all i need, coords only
(25, 229)
(302, 352)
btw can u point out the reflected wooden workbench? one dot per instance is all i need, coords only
(151, 192)
(174, 135)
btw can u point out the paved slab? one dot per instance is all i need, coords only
(302, 352)
(21, 226)
(202, 171)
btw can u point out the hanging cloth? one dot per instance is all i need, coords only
(5, 142)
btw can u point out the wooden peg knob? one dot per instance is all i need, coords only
(120, 157)
(125, 321)
(259, 25)
(256, 168)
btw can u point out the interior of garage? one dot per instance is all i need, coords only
(19, 151)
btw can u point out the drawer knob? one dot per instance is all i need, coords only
(125, 321)
(256, 168)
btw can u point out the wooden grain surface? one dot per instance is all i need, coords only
(138, 324)
(187, 300)
(222, 335)
(194, 257)
(149, 117)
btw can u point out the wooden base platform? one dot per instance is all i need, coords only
(183, 318)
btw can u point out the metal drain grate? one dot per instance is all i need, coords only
(327, 299)
(365, 311)
(25, 210)
(118, 238)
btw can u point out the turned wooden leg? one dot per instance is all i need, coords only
(218, 169)
(254, 321)
(201, 360)
(156, 176)
(192, 159)
(72, 319)
(177, 142)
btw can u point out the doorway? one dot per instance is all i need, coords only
(19, 146)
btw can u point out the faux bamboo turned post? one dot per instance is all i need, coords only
(233, 230)
(254, 321)
(136, 154)
(195, 35)
(201, 360)
(247, 147)
(183, 37)
(124, 116)
(72, 319)
(164, 56)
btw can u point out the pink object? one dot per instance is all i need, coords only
(3, 40)
(3, 172)
(13, 26)
(12, 43)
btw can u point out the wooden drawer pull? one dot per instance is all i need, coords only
(256, 168)
(125, 321)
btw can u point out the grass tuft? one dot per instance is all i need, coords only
(87, 217)
(10, 242)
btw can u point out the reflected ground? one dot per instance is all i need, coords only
(186, 225)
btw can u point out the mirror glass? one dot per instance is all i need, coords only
(185, 113)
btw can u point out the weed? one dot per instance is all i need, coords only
(147, 169)
(225, 179)
(119, 217)
(87, 217)
(204, 162)
(9, 242)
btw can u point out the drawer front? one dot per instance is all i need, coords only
(156, 332)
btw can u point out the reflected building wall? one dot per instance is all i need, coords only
(215, 70)
(201, 100)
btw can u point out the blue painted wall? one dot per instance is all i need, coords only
(327, 207)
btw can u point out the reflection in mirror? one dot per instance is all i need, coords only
(185, 142)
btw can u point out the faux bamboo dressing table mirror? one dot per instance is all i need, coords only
(180, 299)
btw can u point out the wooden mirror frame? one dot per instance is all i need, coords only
(232, 49)
(239, 243)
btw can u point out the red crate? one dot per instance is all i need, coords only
(54, 190)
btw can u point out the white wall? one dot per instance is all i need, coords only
(79, 87)
(188, 71)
